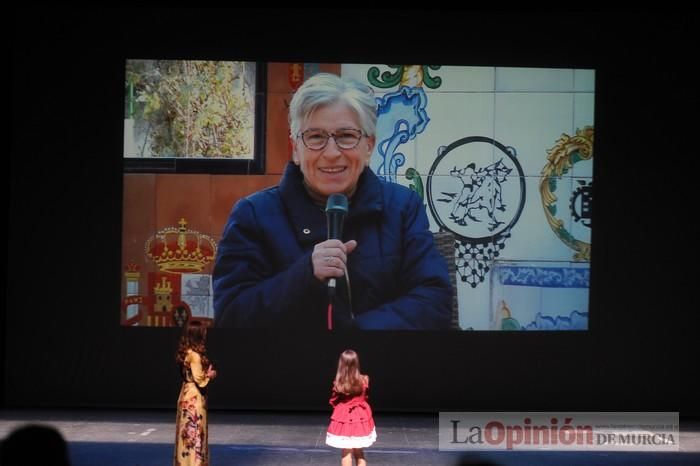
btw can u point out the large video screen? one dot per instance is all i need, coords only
(499, 158)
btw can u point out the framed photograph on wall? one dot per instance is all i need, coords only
(194, 116)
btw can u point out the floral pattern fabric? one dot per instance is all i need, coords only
(191, 428)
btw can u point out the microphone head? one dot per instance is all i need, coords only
(337, 203)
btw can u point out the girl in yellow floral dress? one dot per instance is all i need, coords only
(191, 431)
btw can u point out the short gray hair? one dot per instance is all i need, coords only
(326, 89)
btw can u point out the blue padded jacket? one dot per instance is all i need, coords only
(263, 274)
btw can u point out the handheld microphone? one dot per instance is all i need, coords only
(336, 210)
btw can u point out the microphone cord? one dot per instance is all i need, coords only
(330, 314)
(347, 282)
(331, 295)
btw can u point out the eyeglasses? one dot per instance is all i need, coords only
(317, 139)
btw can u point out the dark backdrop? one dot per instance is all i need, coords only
(63, 343)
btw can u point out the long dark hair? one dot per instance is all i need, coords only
(348, 379)
(194, 337)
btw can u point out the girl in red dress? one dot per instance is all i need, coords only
(352, 427)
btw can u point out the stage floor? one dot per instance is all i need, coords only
(145, 438)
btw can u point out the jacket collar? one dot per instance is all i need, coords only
(309, 220)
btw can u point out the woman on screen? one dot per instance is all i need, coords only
(275, 261)
(352, 426)
(191, 430)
